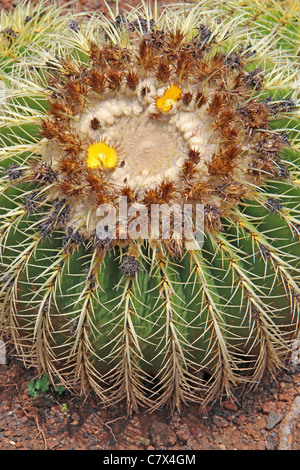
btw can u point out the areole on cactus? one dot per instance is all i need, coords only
(172, 108)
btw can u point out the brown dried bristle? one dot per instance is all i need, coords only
(96, 55)
(132, 80)
(187, 98)
(96, 81)
(194, 156)
(175, 39)
(129, 193)
(216, 104)
(49, 128)
(114, 80)
(146, 57)
(70, 189)
(188, 169)
(163, 194)
(69, 166)
(184, 64)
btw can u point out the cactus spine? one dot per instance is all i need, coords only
(182, 106)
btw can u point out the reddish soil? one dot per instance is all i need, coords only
(265, 419)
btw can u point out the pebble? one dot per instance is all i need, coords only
(191, 443)
(150, 448)
(260, 424)
(52, 444)
(286, 396)
(241, 419)
(76, 418)
(281, 406)
(270, 445)
(267, 407)
(288, 425)
(231, 418)
(230, 405)
(183, 433)
(19, 413)
(261, 445)
(297, 378)
(162, 434)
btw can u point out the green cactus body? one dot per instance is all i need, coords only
(173, 109)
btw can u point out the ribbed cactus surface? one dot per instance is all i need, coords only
(183, 107)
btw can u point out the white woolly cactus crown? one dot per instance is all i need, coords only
(192, 104)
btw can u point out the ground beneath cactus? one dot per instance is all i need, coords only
(266, 419)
